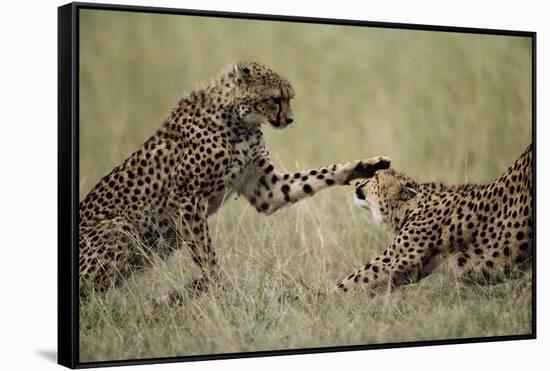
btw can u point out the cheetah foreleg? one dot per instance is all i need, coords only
(403, 262)
(193, 232)
(274, 190)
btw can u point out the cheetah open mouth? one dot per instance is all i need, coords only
(362, 203)
(277, 125)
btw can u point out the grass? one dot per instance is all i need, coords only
(443, 106)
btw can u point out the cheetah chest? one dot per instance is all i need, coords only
(238, 175)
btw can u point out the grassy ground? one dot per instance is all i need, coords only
(449, 107)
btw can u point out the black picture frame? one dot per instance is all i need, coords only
(68, 180)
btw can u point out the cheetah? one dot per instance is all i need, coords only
(209, 147)
(481, 233)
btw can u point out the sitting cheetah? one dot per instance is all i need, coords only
(210, 146)
(479, 231)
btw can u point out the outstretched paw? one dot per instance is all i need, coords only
(340, 287)
(367, 168)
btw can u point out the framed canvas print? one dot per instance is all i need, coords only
(239, 185)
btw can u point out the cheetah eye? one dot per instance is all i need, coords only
(276, 100)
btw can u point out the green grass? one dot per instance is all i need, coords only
(443, 106)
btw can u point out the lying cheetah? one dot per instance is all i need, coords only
(479, 231)
(211, 145)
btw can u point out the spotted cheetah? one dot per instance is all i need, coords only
(478, 232)
(210, 146)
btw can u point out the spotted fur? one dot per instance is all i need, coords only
(479, 232)
(210, 146)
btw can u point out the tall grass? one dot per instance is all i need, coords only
(443, 106)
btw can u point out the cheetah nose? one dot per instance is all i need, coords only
(289, 120)
(359, 193)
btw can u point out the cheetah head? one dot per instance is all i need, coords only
(384, 195)
(262, 96)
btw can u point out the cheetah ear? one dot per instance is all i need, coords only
(241, 73)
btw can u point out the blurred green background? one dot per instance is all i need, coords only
(444, 106)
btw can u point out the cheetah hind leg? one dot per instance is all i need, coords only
(110, 252)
